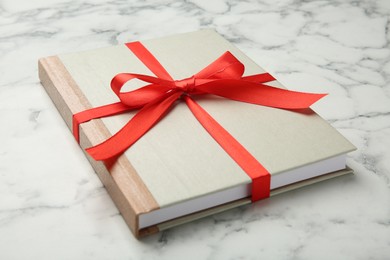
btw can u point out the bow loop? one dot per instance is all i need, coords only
(225, 67)
(141, 96)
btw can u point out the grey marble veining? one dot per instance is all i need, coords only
(52, 206)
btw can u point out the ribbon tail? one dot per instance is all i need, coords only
(260, 94)
(140, 124)
(97, 112)
(261, 179)
(259, 78)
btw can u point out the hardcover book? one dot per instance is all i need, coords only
(177, 172)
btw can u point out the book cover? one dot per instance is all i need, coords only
(177, 172)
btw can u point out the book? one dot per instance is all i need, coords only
(177, 172)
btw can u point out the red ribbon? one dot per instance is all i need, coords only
(223, 77)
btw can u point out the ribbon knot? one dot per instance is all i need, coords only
(223, 77)
(187, 84)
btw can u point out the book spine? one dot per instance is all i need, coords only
(121, 181)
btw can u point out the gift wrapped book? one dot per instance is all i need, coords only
(185, 126)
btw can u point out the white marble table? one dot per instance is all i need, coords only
(52, 206)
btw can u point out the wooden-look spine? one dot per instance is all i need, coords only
(125, 187)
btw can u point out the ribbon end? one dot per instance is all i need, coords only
(76, 124)
(316, 97)
(261, 186)
(301, 100)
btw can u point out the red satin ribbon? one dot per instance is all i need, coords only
(223, 77)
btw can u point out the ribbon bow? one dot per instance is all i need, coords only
(223, 77)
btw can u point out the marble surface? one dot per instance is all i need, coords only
(52, 206)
